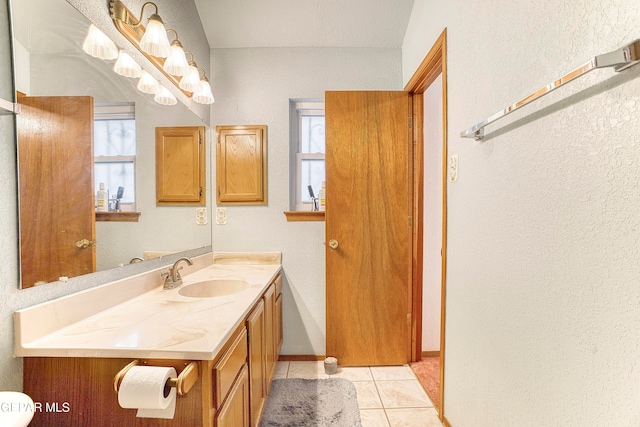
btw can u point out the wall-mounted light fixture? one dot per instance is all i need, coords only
(154, 44)
(98, 45)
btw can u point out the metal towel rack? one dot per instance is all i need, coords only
(621, 59)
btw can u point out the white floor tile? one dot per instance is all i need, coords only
(281, 371)
(354, 373)
(373, 418)
(413, 417)
(403, 394)
(383, 373)
(368, 397)
(308, 370)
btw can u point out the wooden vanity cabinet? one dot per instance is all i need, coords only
(230, 391)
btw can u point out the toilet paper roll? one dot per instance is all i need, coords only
(143, 388)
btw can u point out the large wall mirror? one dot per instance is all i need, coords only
(50, 65)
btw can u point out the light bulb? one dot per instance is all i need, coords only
(176, 63)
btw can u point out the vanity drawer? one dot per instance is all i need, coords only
(227, 368)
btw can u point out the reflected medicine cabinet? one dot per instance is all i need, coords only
(241, 165)
(180, 166)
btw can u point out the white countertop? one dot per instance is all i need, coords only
(155, 324)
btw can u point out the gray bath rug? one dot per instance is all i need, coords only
(296, 402)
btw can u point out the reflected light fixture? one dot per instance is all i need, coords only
(152, 41)
(98, 45)
(165, 97)
(148, 83)
(126, 66)
(203, 95)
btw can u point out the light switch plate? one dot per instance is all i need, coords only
(201, 216)
(221, 216)
(453, 168)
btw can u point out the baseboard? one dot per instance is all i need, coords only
(300, 358)
(431, 353)
(446, 422)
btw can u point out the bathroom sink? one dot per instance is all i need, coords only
(213, 288)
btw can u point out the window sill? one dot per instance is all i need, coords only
(294, 216)
(118, 216)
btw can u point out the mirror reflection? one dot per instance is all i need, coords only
(83, 125)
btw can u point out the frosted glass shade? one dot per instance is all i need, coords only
(191, 80)
(98, 45)
(148, 84)
(176, 63)
(126, 66)
(154, 40)
(165, 97)
(203, 95)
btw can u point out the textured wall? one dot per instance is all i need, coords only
(543, 302)
(254, 87)
(11, 298)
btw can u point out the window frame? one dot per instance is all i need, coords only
(299, 109)
(118, 111)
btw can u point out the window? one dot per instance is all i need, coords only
(114, 137)
(308, 149)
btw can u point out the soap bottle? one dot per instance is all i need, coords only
(322, 196)
(102, 199)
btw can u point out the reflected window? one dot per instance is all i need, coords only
(114, 139)
(308, 142)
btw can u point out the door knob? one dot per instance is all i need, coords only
(84, 243)
(333, 244)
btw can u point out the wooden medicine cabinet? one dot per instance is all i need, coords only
(241, 165)
(180, 166)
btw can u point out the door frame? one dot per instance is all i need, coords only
(433, 65)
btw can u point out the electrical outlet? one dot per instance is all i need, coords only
(453, 168)
(221, 216)
(201, 216)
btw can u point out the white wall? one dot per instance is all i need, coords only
(543, 302)
(253, 86)
(432, 217)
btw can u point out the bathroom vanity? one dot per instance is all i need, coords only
(224, 322)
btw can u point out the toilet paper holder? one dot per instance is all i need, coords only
(186, 379)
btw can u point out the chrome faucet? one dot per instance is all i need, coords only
(172, 278)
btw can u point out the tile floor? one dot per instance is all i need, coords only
(387, 396)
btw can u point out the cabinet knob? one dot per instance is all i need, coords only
(333, 244)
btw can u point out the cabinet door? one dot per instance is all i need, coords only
(241, 165)
(235, 412)
(269, 339)
(278, 325)
(257, 392)
(180, 166)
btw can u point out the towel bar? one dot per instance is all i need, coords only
(621, 59)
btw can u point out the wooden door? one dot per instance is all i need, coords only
(56, 189)
(368, 218)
